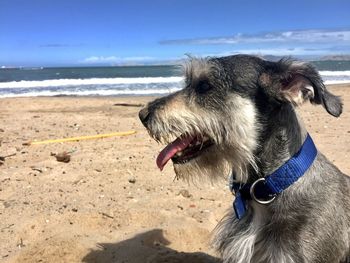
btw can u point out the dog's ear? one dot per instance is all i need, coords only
(297, 82)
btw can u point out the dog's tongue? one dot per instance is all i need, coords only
(171, 149)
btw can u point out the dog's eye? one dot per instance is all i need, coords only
(203, 87)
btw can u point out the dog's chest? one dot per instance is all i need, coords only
(259, 240)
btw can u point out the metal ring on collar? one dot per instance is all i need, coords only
(252, 193)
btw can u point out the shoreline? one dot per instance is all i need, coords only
(330, 86)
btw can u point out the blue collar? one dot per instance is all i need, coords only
(264, 190)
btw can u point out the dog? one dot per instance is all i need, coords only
(236, 116)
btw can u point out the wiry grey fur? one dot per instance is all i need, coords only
(246, 106)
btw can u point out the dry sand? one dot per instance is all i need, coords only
(110, 203)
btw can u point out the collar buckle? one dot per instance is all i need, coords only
(255, 198)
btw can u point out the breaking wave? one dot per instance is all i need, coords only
(117, 86)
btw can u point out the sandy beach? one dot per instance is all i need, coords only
(110, 203)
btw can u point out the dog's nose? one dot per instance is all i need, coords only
(144, 116)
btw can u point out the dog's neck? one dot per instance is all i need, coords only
(282, 138)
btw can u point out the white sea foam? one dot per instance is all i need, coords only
(345, 73)
(108, 92)
(84, 82)
(332, 82)
(335, 77)
(118, 86)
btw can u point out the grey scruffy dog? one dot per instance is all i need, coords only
(236, 115)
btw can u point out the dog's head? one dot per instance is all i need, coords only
(212, 126)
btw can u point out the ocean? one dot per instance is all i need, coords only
(117, 81)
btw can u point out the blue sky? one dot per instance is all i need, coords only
(102, 32)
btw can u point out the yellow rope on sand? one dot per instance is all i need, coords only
(98, 136)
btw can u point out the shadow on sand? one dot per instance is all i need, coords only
(148, 247)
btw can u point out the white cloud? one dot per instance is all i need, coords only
(294, 36)
(115, 59)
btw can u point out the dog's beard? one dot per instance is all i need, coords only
(210, 164)
(217, 163)
(233, 132)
